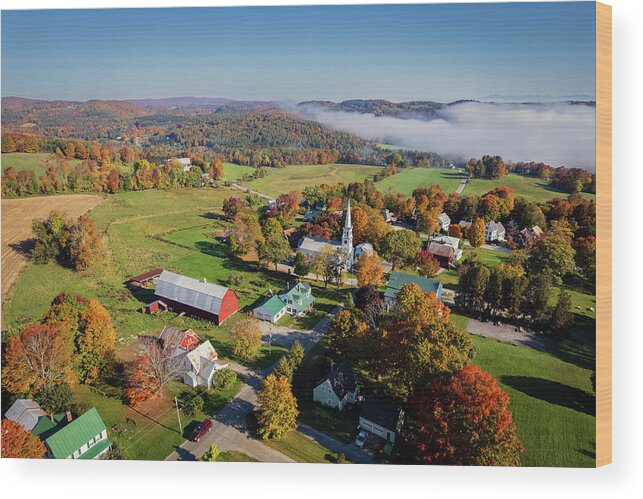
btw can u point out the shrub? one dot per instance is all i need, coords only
(194, 406)
(225, 379)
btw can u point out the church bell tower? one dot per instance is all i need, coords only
(347, 236)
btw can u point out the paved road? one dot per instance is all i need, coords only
(350, 450)
(270, 199)
(229, 429)
(461, 186)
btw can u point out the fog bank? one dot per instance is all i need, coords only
(554, 133)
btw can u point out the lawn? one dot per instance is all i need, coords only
(407, 180)
(151, 430)
(532, 188)
(301, 448)
(234, 172)
(552, 402)
(230, 456)
(29, 161)
(296, 177)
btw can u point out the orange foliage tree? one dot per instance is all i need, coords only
(88, 325)
(465, 420)
(18, 443)
(369, 270)
(37, 356)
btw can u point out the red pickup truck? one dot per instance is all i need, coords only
(201, 430)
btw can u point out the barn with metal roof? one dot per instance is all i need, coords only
(197, 298)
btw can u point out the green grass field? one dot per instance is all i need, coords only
(296, 177)
(407, 180)
(28, 161)
(234, 172)
(531, 188)
(552, 402)
(301, 448)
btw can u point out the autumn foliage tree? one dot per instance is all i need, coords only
(88, 325)
(476, 232)
(154, 367)
(84, 244)
(246, 338)
(465, 420)
(40, 355)
(369, 270)
(277, 408)
(427, 264)
(18, 443)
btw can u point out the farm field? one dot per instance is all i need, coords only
(531, 188)
(552, 402)
(407, 180)
(234, 172)
(17, 215)
(296, 177)
(29, 161)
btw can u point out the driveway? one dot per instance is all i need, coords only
(461, 186)
(506, 333)
(285, 336)
(351, 451)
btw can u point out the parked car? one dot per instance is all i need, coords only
(359, 441)
(201, 430)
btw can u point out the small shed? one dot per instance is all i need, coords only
(147, 279)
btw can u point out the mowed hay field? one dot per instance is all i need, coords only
(29, 161)
(297, 177)
(531, 188)
(17, 215)
(409, 179)
(552, 401)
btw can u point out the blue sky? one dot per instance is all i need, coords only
(398, 52)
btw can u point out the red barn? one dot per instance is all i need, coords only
(444, 253)
(198, 298)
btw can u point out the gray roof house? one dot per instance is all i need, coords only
(338, 388)
(381, 418)
(444, 221)
(494, 231)
(200, 364)
(26, 413)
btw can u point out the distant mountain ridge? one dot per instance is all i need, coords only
(409, 109)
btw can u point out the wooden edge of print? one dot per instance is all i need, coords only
(604, 234)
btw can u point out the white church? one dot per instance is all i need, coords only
(311, 246)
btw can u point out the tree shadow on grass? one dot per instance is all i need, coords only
(553, 392)
(24, 247)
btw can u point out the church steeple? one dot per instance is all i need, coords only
(347, 235)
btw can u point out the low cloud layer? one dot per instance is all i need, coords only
(557, 134)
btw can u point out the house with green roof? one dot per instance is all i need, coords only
(271, 310)
(81, 438)
(399, 279)
(295, 300)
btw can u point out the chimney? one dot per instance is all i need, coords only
(68, 416)
(51, 416)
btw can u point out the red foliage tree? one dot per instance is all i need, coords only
(427, 264)
(18, 443)
(465, 420)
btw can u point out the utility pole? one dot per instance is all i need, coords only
(178, 415)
